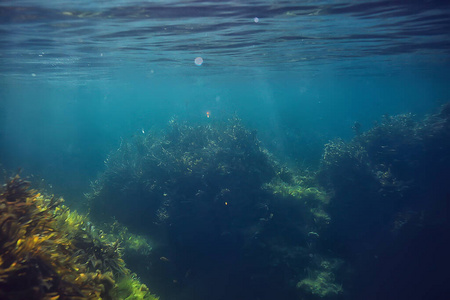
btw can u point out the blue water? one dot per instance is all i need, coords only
(76, 77)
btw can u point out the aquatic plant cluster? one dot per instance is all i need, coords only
(167, 178)
(390, 204)
(225, 220)
(399, 162)
(221, 211)
(48, 252)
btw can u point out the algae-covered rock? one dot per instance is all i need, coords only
(390, 190)
(220, 211)
(212, 171)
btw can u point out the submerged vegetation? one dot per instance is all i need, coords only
(390, 193)
(205, 212)
(215, 202)
(48, 252)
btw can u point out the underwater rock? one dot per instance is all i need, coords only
(214, 202)
(212, 171)
(390, 194)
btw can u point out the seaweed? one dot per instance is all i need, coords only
(37, 261)
(187, 169)
(215, 203)
(390, 190)
(47, 252)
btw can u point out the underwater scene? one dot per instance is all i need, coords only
(224, 150)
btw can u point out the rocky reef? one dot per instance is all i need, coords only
(205, 212)
(389, 205)
(227, 220)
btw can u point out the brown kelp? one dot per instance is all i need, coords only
(37, 261)
(46, 252)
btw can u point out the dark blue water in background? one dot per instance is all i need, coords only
(76, 77)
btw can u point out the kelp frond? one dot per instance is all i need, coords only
(48, 252)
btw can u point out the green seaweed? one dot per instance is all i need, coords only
(130, 288)
(321, 285)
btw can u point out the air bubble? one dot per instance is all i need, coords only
(198, 61)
